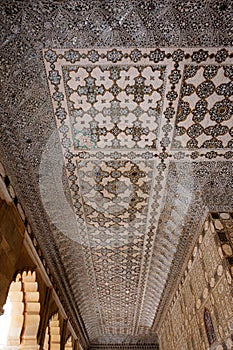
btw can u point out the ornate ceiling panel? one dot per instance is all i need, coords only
(117, 153)
(123, 116)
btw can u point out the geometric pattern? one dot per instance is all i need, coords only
(115, 194)
(123, 115)
(114, 198)
(114, 106)
(205, 109)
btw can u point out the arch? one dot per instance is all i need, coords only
(69, 344)
(209, 327)
(53, 333)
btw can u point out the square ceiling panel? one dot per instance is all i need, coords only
(204, 117)
(114, 106)
(108, 99)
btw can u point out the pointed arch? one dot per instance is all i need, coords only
(69, 344)
(54, 332)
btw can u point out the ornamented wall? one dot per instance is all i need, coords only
(200, 314)
(36, 318)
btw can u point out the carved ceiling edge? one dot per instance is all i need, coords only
(124, 347)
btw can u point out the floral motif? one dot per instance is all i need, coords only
(210, 72)
(50, 56)
(135, 55)
(72, 56)
(205, 89)
(90, 89)
(172, 95)
(187, 89)
(58, 96)
(54, 77)
(175, 76)
(195, 130)
(93, 56)
(221, 55)
(84, 139)
(228, 71)
(157, 55)
(61, 113)
(190, 71)
(114, 56)
(200, 56)
(216, 130)
(136, 131)
(169, 113)
(221, 111)
(200, 111)
(178, 55)
(225, 89)
(139, 89)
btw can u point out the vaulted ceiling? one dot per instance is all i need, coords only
(116, 129)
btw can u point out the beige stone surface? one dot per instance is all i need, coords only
(185, 315)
